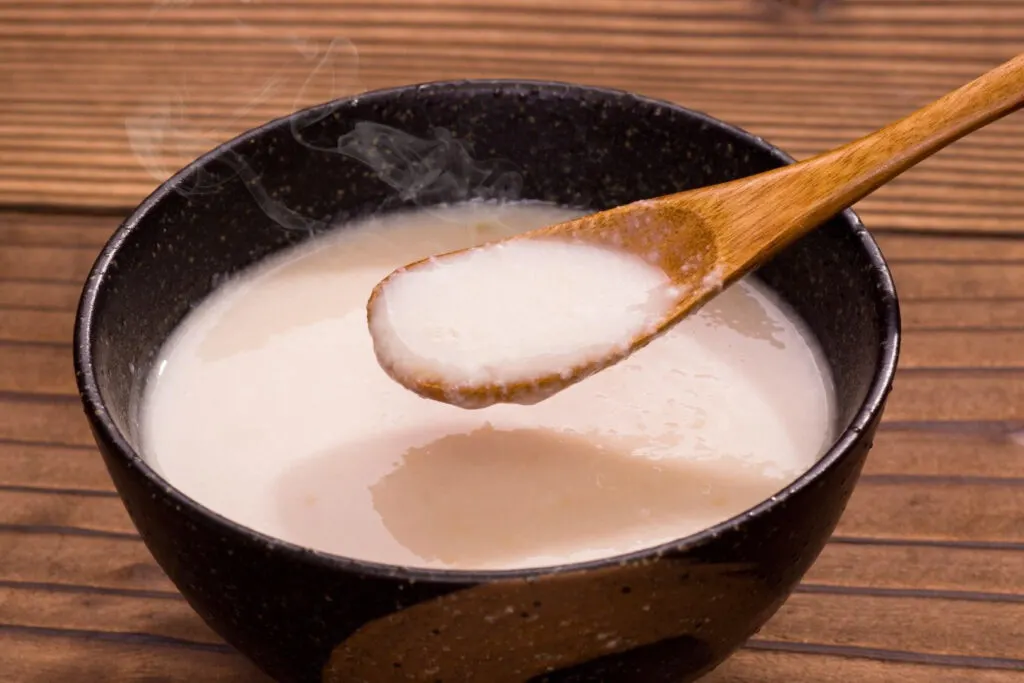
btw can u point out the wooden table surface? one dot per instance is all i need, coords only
(924, 579)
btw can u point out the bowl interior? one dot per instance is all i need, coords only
(591, 148)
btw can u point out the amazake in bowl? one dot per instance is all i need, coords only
(670, 613)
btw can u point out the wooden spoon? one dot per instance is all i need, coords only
(706, 239)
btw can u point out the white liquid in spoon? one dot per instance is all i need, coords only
(269, 407)
(514, 312)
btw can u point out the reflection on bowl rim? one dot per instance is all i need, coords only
(843, 443)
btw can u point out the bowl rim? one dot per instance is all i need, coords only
(105, 429)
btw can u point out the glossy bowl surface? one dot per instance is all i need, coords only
(667, 614)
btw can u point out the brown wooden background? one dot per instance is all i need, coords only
(924, 580)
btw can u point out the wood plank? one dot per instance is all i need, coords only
(58, 264)
(30, 509)
(46, 656)
(978, 314)
(754, 666)
(932, 626)
(39, 296)
(168, 617)
(967, 572)
(27, 326)
(772, 49)
(37, 370)
(41, 194)
(935, 396)
(842, 83)
(963, 58)
(115, 564)
(122, 194)
(962, 348)
(523, 18)
(946, 281)
(694, 9)
(48, 230)
(935, 512)
(945, 454)
(61, 423)
(53, 467)
(943, 249)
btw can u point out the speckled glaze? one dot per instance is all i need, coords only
(668, 614)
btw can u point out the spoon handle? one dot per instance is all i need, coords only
(773, 209)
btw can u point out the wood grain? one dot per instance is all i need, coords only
(808, 83)
(46, 655)
(38, 296)
(775, 666)
(920, 584)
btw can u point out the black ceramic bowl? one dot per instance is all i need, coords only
(666, 614)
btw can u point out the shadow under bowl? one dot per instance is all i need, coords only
(666, 614)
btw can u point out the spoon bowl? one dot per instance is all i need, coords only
(676, 241)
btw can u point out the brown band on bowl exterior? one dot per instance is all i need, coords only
(516, 630)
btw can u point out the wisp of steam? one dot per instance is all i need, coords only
(425, 170)
(292, 74)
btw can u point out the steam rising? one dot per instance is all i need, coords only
(429, 170)
(265, 74)
(274, 74)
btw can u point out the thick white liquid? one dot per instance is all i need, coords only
(514, 312)
(268, 406)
